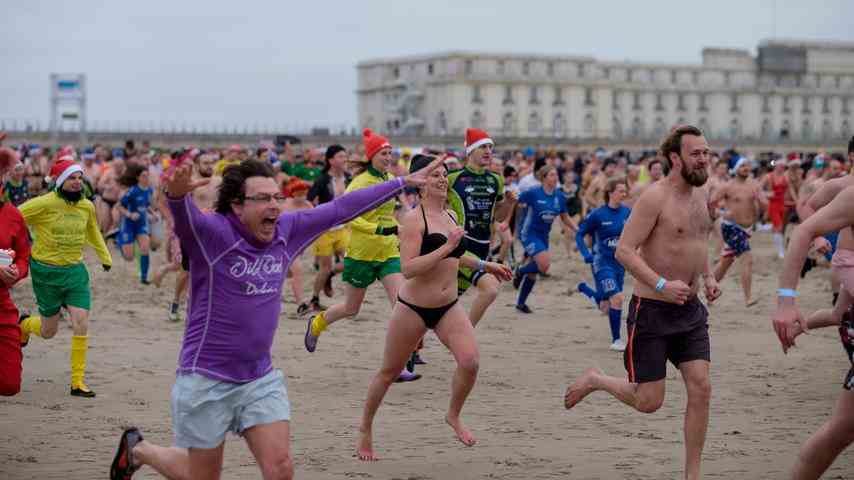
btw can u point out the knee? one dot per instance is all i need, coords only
(649, 405)
(280, 468)
(49, 330)
(617, 301)
(387, 376)
(469, 364)
(700, 391)
(489, 291)
(351, 310)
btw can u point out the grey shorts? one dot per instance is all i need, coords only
(204, 410)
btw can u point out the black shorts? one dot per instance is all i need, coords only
(846, 334)
(478, 248)
(661, 331)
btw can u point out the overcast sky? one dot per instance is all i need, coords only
(292, 63)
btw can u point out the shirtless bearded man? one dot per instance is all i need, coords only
(664, 247)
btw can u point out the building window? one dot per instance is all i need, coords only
(674, 77)
(659, 127)
(845, 127)
(806, 129)
(442, 123)
(630, 75)
(533, 99)
(825, 105)
(805, 106)
(396, 72)
(733, 103)
(616, 127)
(703, 106)
(766, 104)
(589, 125)
(846, 108)
(508, 123)
(550, 69)
(581, 70)
(469, 67)
(734, 129)
(535, 125)
(659, 102)
(636, 101)
(508, 95)
(637, 127)
(827, 129)
(588, 97)
(559, 125)
(680, 102)
(526, 68)
(703, 125)
(501, 67)
(477, 119)
(727, 78)
(558, 97)
(429, 69)
(766, 129)
(615, 99)
(606, 72)
(475, 94)
(786, 107)
(695, 78)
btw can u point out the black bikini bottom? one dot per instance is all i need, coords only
(430, 315)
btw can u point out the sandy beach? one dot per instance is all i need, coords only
(764, 404)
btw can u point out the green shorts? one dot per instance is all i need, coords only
(56, 287)
(362, 273)
(466, 277)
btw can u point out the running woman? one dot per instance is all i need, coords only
(544, 204)
(63, 221)
(331, 184)
(14, 265)
(135, 209)
(777, 182)
(431, 253)
(239, 258)
(373, 253)
(477, 197)
(665, 247)
(605, 225)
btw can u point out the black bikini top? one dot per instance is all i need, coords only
(433, 241)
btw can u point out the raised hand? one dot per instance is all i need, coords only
(181, 182)
(419, 178)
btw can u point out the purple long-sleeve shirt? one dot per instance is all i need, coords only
(236, 280)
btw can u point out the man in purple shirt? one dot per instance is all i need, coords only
(239, 258)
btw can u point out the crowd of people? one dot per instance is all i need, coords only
(427, 224)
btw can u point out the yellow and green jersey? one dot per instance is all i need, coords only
(365, 243)
(61, 229)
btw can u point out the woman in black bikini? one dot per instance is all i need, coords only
(430, 254)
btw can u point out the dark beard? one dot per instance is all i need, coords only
(696, 178)
(70, 197)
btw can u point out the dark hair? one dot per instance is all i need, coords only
(851, 145)
(420, 161)
(653, 162)
(673, 142)
(509, 170)
(131, 175)
(233, 186)
(331, 151)
(609, 161)
(539, 163)
(611, 185)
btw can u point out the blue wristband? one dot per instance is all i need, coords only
(481, 265)
(660, 285)
(787, 292)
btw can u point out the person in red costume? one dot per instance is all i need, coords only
(14, 265)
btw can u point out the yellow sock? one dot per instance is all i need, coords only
(318, 325)
(79, 346)
(31, 325)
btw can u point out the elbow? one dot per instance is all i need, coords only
(622, 254)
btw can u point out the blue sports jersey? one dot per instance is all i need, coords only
(605, 224)
(138, 200)
(541, 211)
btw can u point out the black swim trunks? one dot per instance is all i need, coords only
(846, 333)
(661, 331)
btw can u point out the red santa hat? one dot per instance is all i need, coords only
(476, 137)
(373, 143)
(63, 169)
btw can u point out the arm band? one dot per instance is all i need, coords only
(787, 292)
(660, 285)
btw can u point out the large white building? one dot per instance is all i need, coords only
(791, 90)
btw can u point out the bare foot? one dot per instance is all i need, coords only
(463, 434)
(751, 302)
(365, 449)
(582, 387)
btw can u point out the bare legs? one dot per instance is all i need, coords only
(648, 397)
(405, 330)
(822, 448)
(487, 292)
(725, 263)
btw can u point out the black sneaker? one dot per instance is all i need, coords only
(82, 391)
(417, 360)
(524, 309)
(315, 304)
(303, 309)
